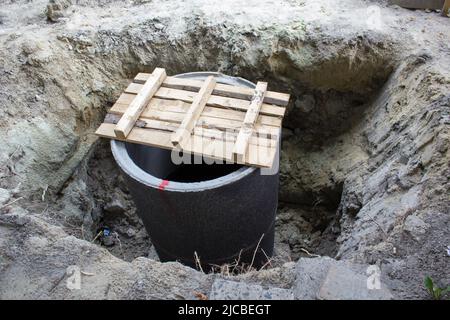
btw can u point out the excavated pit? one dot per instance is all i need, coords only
(328, 105)
(308, 217)
(331, 95)
(323, 113)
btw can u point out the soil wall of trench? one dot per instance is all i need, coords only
(364, 161)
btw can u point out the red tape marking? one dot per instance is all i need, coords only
(163, 184)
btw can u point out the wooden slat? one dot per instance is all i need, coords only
(241, 145)
(224, 90)
(182, 107)
(138, 104)
(154, 112)
(217, 149)
(446, 8)
(216, 101)
(199, 131)
(192, 115)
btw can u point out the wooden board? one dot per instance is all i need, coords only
(214, 100)
(178, 106)
(446, 8)
(199, 145)
(276, 98)
(172, 111)
(247, 128)
(184, 131)
(206, 118)
(198, 130)
(139, 102)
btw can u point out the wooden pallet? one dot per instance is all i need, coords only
(219, 121)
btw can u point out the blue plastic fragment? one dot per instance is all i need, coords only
(106, 232)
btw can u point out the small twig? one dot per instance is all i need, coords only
(386, 236)
(200, 296)
(214, 267)
(309, 254)
(225, 270)
(43, 193)
(98, 235)
(269, 260)
(197, 261)
(57, 282)
(16, 190)
(254, 253)
(12, 154)
(116, 235)
(10, 203)
(237, 261)
(265, 265)
(45, 209)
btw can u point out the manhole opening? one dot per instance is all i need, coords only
(159, 163)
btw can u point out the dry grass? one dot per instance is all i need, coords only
(237, 267)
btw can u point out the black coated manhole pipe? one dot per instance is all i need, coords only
(220, 212)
